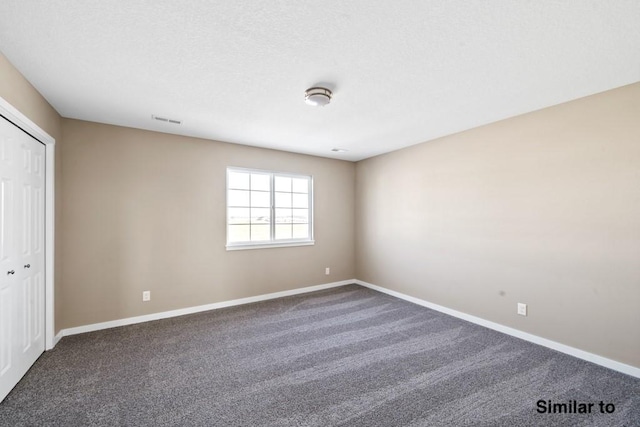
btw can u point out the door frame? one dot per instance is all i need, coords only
(24, 123)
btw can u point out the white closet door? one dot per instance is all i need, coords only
(22, 184)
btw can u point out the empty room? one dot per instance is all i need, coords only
(320, 213)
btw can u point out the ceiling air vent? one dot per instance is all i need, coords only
(166, 120)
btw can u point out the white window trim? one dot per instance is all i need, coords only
(235, 246)
(253, 245)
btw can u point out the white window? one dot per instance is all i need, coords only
(268, 209)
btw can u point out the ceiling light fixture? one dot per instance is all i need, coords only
(317, 96)
(339, 150)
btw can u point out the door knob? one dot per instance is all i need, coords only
(11, 272)
(27, 266)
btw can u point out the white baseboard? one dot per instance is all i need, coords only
(197, 309)
(57, 338)
(571, 351)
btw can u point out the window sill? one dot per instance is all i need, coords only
(242, 247)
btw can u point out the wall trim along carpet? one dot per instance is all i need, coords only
(571, 351)
(197, 309)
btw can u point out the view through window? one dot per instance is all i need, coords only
(268, 208)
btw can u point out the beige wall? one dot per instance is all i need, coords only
(18, 92)
(146, 211)
(542, 209)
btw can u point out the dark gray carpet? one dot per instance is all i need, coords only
(348, 356)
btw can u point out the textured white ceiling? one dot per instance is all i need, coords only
(402, 72)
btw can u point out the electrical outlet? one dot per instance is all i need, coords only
(522, 309)
(146, 295)
(327, 271)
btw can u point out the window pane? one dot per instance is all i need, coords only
(239, 233)
(238, 215)
(260, 199)
(265, 207)
(283, 200)
(300, 185)
(300, 231)
(260, 182)
(300, 200)
(260, 215)
(239, 180)
(260, 232)
(283, 183)
(283, 231)
(283, 216)
(238, 198)
(300, 216)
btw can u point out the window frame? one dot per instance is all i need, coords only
(272, 242)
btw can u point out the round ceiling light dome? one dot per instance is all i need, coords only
(317, 96)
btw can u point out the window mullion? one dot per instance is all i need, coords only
(272, 222)
(309, 209)
(250, 211)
